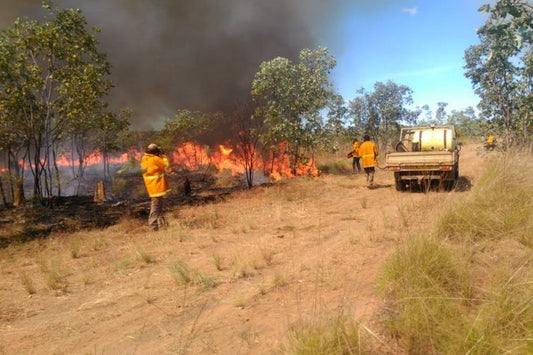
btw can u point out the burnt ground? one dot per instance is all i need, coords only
(74, 213)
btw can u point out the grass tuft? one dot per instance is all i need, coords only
(500, 205)
(339, 335)
(181, 272)
(54, 276)
(427, 290)
(28, 283)
(75, 247)
(145, 257)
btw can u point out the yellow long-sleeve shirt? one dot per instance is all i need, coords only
(368, 153)
(153, 168)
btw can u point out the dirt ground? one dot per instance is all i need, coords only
(257, 263)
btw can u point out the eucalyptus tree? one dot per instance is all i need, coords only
(493, 73)
(334, 128)
(291, 96)
(381, 112)
(467, 124)
(499, 67)
(52, 88)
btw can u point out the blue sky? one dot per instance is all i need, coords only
(421, 46)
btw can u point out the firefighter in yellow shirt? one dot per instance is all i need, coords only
(356, 165)
(154, 165)
(490, 143)
(368, 152)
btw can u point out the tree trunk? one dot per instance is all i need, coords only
(19, 195)
(99, 192)
(3, 193)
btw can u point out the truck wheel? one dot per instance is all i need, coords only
(400, 185)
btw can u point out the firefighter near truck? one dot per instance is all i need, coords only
(425, 157)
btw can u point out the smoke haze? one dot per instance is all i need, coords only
(199, 54)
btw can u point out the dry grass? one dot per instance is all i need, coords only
(272, 270)
(339, 335)
(469, 290)
(500, 205)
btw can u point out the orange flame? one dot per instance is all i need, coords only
(192, 156)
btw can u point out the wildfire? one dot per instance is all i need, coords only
(192, 157)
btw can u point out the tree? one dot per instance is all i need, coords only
(291, 96)
(248, 128)
(380, 113)
(513, 17)
(499, 68)
(440, 115)
(467, 124)
(51, 87)
(334, 129)
(494, 76)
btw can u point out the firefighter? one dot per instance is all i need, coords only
(356, 165)
(154, 164)
(490, 143)
(368, 153)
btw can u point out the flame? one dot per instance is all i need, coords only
(225, 151)
(193, 157)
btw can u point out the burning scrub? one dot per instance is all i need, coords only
(154, 165)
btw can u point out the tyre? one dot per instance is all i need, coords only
(400, 185)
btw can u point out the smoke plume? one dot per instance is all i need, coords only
(198, 54)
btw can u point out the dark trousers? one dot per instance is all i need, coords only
(356, 165)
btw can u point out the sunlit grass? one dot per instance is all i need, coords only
(467, 288)
(337, 335)
(500, 206)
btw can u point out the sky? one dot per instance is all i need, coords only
(419, 44)
(168, 55)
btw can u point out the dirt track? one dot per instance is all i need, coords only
(298, 251)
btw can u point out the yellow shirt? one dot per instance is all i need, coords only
(368, 153)
(153, 168)
(355, 149)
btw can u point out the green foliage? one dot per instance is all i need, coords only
(381, 113)
(513, 17)
(500, 68)
(191, 126)
(291, 95)
(52, 83)
(467, 124)
(181, 272)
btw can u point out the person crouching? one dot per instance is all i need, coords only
(154, 165)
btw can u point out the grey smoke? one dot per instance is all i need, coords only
(196, 54)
